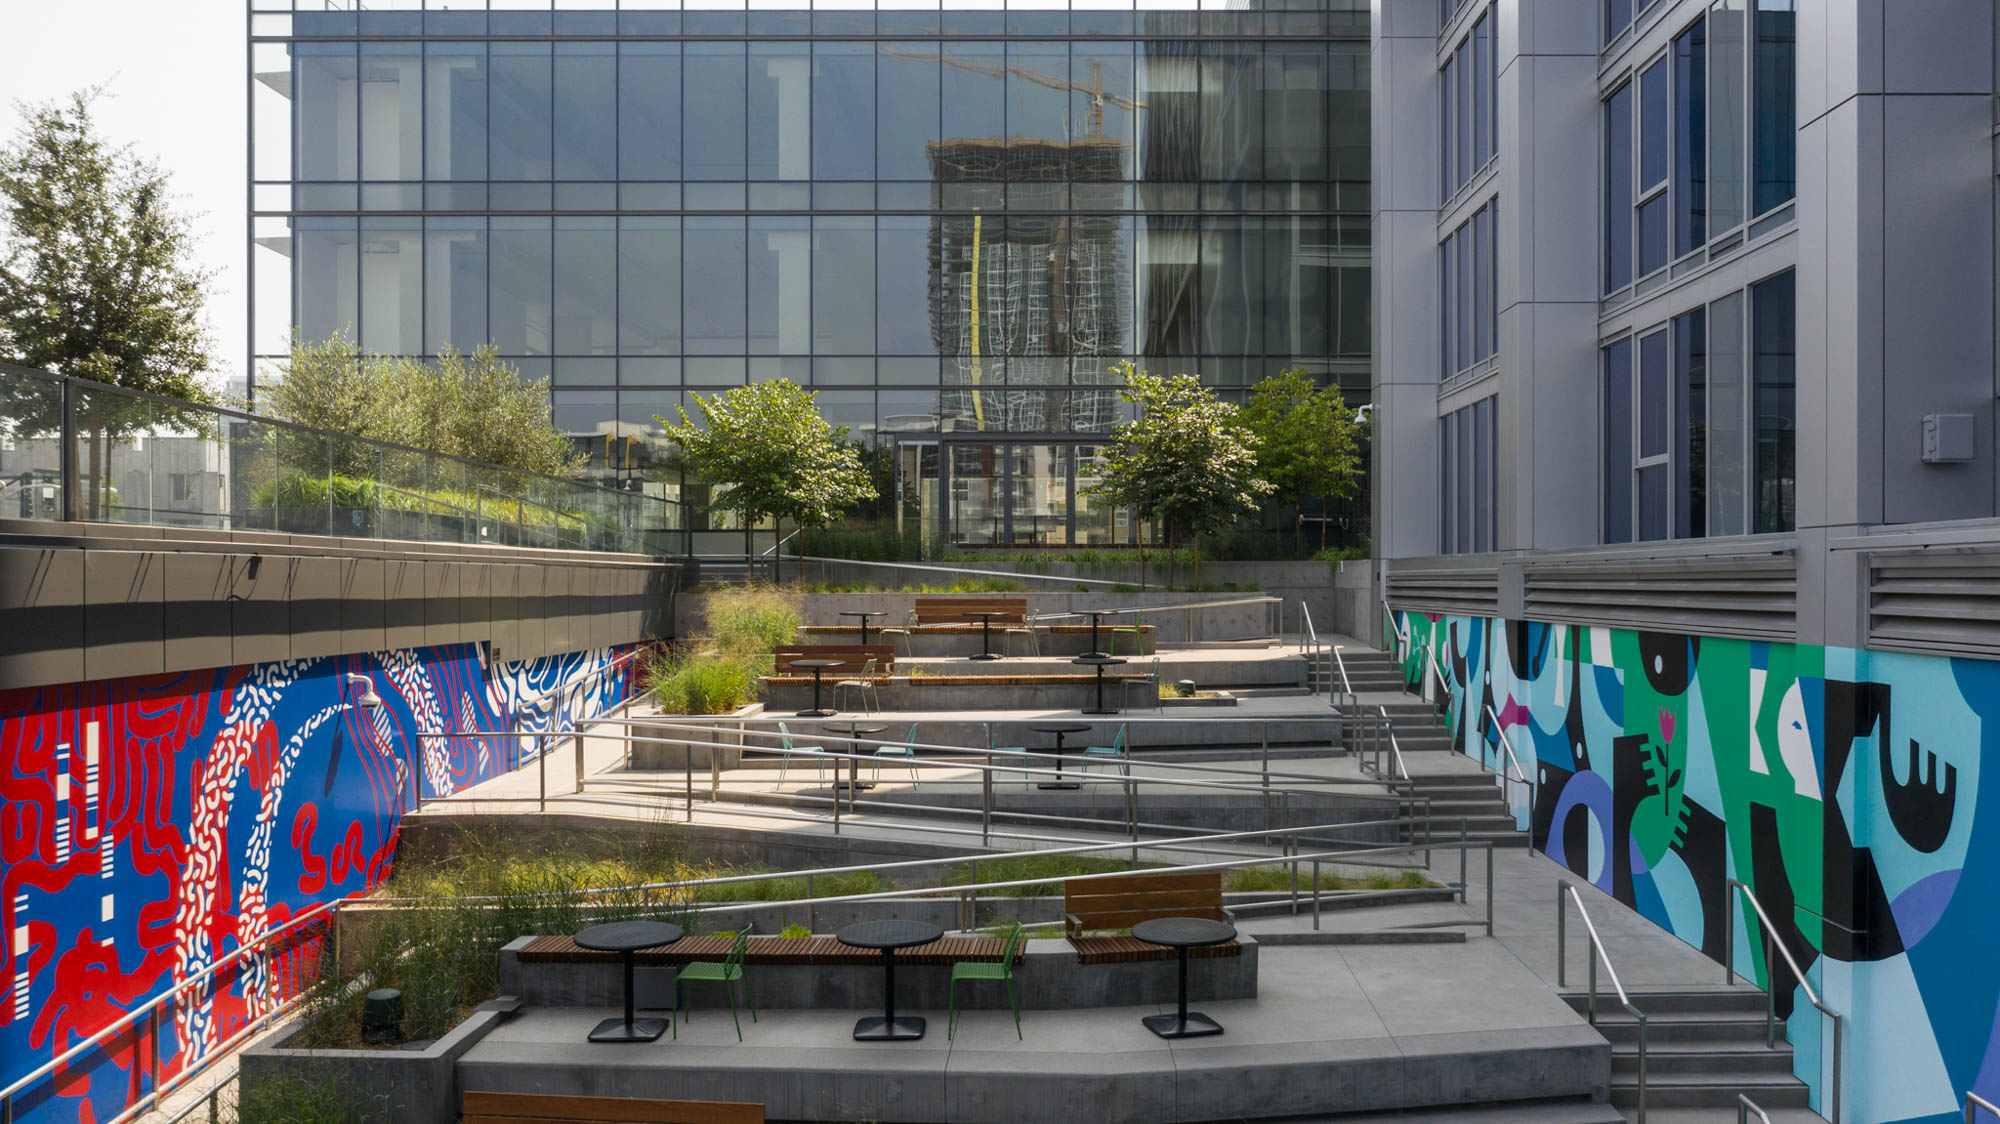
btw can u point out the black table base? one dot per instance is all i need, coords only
(986, 651)
(817, 711)
(637, 1030)
(1059, 784)
(1098, 710)
(875, 1028)
(1194, 1024)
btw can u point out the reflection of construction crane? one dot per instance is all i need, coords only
(1095, 90)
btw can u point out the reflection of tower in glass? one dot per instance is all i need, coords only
(1026, 302)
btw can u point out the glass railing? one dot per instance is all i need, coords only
(75, 449)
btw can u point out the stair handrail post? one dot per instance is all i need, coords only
(1745, 1106)
(1974, 1102)
(1798, 974)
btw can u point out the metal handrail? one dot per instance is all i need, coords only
(1266, 599)
(961, 571)
(1745, 1106)
(1346, 684)
(1396, 629)
(1975, 1101)
(1507, 744)
(131, 1017)
(1309, 647)
(1770, 992)
(1566, 889)
(1395, 747)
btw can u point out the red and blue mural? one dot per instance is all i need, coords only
(1843, 786)
(152, 825)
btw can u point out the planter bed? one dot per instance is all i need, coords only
(405, 1085)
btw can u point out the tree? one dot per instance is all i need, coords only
(1185, 460)
(473, 406)
(769, 446)
(1311, 443)
(95, 275)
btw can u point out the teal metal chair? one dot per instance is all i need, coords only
(1114, 752)
(1150, 685)
(728, 972)
(785, 758)
(980, 970)
(904, 750)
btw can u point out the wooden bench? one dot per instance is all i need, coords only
(944, 951)
(855, 655)
(955, 610)
(1121, 901)
(544, 1108)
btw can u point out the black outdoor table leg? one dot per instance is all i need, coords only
(889, 1027)
(1181, 1024)
(1094, 649)
(864, 630)
(631, 1030)
(1100, 708)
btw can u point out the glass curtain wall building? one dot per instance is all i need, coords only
(950, 222)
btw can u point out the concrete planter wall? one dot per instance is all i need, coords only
(1356, 611)
(402, 1086)
(1175, 626)
(1049, 979)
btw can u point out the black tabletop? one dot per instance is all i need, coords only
(988, 613)
(1099, 661)
(1061, 728)
(855, 729)
(819, 663)
(862, 613)
(1184, 932)
(628, 936)
(892, 933)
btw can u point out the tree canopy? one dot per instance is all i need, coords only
(768, 446)
(1186, 460)
(467, 405)
(1310, 441)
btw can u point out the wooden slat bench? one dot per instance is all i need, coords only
(884, 655)
(944, 951)
(1123, 900)
(954, 610)
(544, 1108)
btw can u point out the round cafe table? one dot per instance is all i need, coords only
(888, 936)
(626, 938)
(1100, 663)
(864, 614)
(817, 666)
(1059, 729)
(856, 730)
(1095, 614)
(986, 651)
(1181, 934)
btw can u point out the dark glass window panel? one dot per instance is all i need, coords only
(521, 23)
(1773, 131)
(1037, 22)
(1462, 499)
(908, 21)
(1728, 112)
(1656, 406)
(1482, 475)
(521, 306)
(324, 23)
(1691, 435)
(1448, 305)
(1100, 23)
(399, 24)
(455, 111)
(586, 113)
(1169, 78)
(906, 109)
(1482, 297)
(1348, 111)
(772, 21)
(963, 22)
(454, 23)
(521, 111)
(1447, 484)
(1232, 285)
(1105, 67)
(709, 22)
(1728, 440)
(1617, 448)
(1299, 283)
(843, 22)
(714, 110)
(902, 286)
(1353, 311)
(1655, 105)
(1482, 92)
(975, 104)
(392, 111)
(780, 285)
(1462, 126)
(1691, 139)
(583, 413)
(326, 290)
(1652, 235)
(649, 111)
(586, 277)
(454, 284)
(1447, 118)
(780, 111)
(1166, 267)
(392, 285)
(1618, 189)
(649, 23)
(843, 111)
(1232, 112)
(1467, 330)
(1654, 487)
(1774, 361)
(586, 23)
(1038, 94)
(714, 321)
(326, 112)
(649, 286)
(1295, 111)
(1617, 17)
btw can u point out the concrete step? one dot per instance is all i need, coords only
(1745, 1057)
(1719, 1002)
(1522, 1112)
(1713, 1090)
(1676, 1029)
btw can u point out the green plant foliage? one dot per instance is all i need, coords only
(795, 932)
(304, 1092)
(750, 620)
(1360, 553)
(703, 684)
(715, 670)
(1311, 442)
(768, 446)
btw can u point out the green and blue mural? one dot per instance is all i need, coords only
(1843, 786)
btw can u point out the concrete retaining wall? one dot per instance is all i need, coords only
(1049, 979)
(1356, 610)
(1175, 626)
(400, 1086)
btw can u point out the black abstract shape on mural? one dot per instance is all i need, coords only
(1629, 785)
(1704, 850)
(1528, 649)
(1773, 888)
(1860, 926)
(1579, 745)
(1551, 780)
(1921, 812)
(1668, 661)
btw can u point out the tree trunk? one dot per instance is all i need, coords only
(96, 475)
(777, 550)
(1322, 524)
(1172, 562)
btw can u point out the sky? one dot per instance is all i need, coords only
(173, 74)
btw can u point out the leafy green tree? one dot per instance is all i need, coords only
(767, 444)
(1186, 460)
(96, 277)
(1311, 442)
(467, 405)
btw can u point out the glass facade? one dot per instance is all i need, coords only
(951, 222)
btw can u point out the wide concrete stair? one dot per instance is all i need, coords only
(1466, 799)
(1368, 669)
(1703, 1048)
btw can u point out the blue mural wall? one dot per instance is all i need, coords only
(1842, 786)
(152, 825)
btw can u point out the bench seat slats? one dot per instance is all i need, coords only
(771, 950)
(1131, 950)
(1121, 901)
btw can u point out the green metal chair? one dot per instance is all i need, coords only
(980, 970)
(728, 973)
(785, 758)
(1114, 752)
(901, 749)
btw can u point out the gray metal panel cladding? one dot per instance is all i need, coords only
(1945, 602)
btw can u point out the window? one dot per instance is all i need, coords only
(1690, 139)
(1469, 297)
(1654, 102)
(1468, 117)
(1618, 189)
(1617, 444)
(1774, 355)
(1727, 113)
(1774, 125)
(1468, 472)
(1617, 17)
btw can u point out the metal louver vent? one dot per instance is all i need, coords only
(1466, 592)
(1941, 601)
(1755, 596)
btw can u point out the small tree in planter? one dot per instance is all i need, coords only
(1186, 459)
(767, 444)
(1310, 442)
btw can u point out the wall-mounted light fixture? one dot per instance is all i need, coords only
(360, 690)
